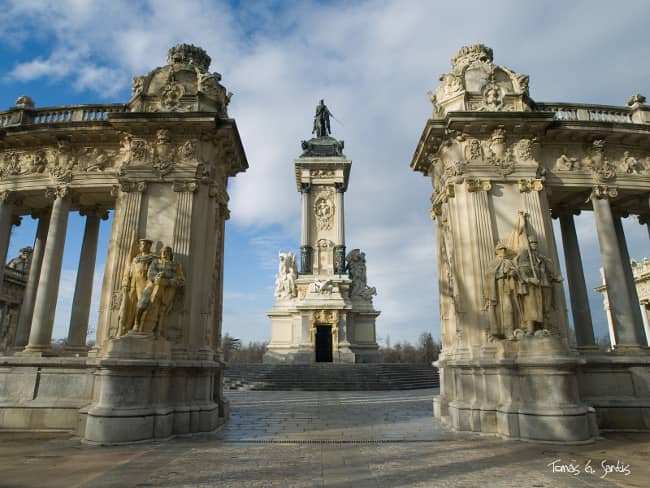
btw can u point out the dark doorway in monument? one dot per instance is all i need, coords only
(323, 343)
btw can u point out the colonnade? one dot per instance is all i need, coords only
(36, 319)
(626, 315)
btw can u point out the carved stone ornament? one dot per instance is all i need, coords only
(138, 85)
(604, 191)
(598, 163)
(566, 163)
(321, 287)
(629, 164)
(164, 152)
(492, 98)
(57, 192)
(189, 54)
(356, 266)
(285, 280)
(467, 55)
(185, 186)
(473, 150)
(324, 209)
(530, 184)
(171, 94)
(450, 86)
(321, 172)
(478, 185)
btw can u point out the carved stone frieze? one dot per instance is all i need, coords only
(597, 161)
(321, 172)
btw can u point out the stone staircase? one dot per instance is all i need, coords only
(330, 377)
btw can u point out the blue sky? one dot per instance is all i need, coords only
(373, 62)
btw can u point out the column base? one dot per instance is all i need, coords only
(630, 349)
(37, 351)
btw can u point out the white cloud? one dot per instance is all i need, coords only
(373, 63)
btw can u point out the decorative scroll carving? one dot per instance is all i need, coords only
(285, 280)
(478, 185)
(531, 184)
(324, 209)
(604, 191)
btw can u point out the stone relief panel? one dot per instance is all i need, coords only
(324, 208)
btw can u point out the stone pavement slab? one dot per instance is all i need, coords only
(323, 439)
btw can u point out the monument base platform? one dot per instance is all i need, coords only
(112, 400)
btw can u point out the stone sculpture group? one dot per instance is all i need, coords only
(519, 285)
(148, 289)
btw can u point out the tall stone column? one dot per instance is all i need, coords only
(76, 342)
(577, 288)
(306, 251)
(626, 332)
(40, 336)
(635, 309)
(339, 247)
(7, 208)
(29, 298)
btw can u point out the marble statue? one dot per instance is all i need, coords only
(356, 266)
(285, 281)
(22, 261)
(133, 286)
(322, 120)
(501, 286)
(165, 277)
(536, 286)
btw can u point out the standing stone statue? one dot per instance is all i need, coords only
(501, 285)
(165, 278)
(285, 281)
(133, 285)
(537, 277)
(356, 266)
(322, 120)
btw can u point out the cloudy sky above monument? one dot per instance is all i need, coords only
(372, 62)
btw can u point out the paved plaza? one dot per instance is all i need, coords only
(337, 439)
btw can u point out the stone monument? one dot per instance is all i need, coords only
(324, 313)
(641, 274)
(501, 166)
(161, 162)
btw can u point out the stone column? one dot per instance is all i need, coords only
(635, 309)
(339, 247)
(40, 336)
(27, 308)
(306, 251)
(76, 342)
(626, 333)
(7, 208)
(582, 323)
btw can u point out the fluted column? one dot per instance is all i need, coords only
(626, 333)
(123, 235)
(306, 251)
(7, 208)
(339, 247)
(78, 330)
(29, 298)
(582, 323)
(40, 336)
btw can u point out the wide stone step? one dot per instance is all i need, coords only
(330, 377)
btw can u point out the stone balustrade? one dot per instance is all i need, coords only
(59, 114)
(592, 113)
